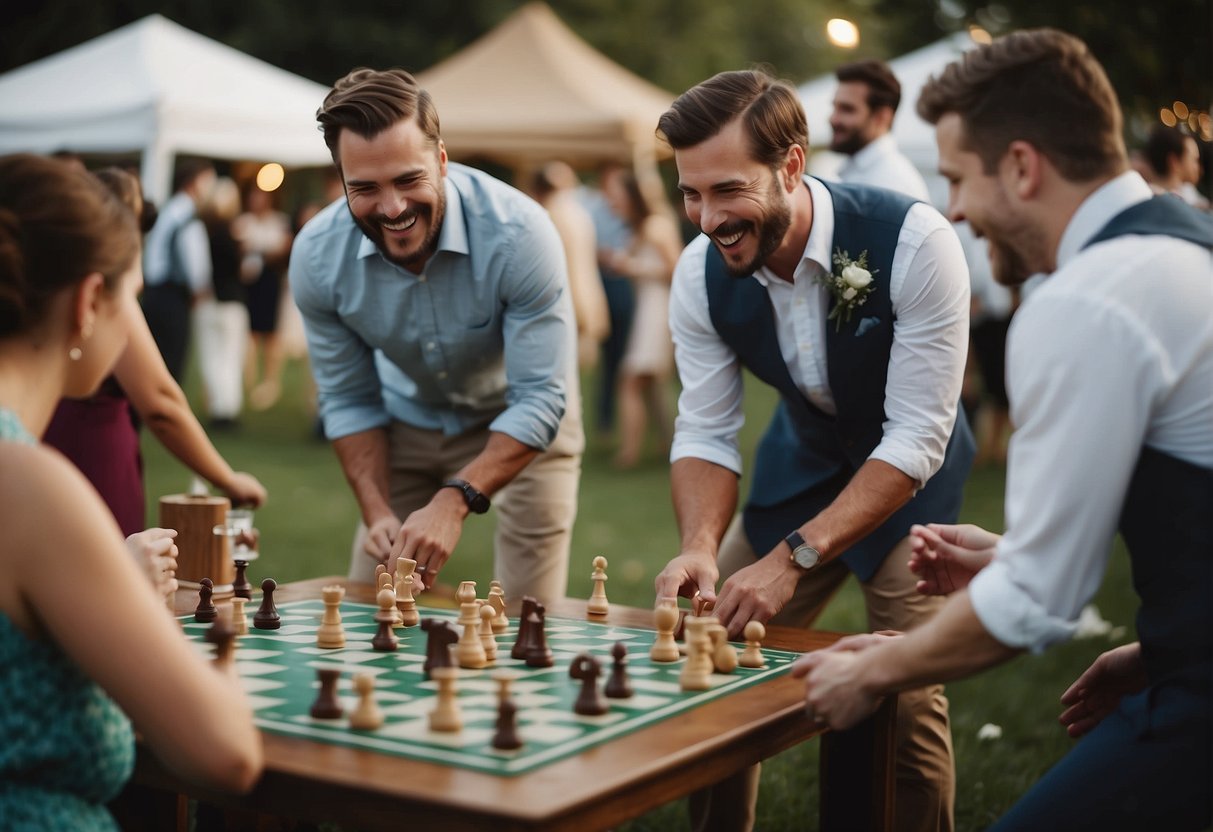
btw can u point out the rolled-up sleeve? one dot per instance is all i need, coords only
(929, 287)
(347, 384)
(539, 335)
(710, 405)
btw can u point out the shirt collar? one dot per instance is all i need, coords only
(452, 237)
(821, 233)
(872, 152)
(1108, 200)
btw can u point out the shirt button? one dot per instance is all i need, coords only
(421, 278)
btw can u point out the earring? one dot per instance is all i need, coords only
(75, 353)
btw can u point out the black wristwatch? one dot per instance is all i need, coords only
(477, 502)
(803, 555)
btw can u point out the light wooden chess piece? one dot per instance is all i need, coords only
(406, 604)
(330, 635)
(367, 716)
(382, 578)
(697, 672)
(469, 652)
(724, 655)
(446, 716)
(487, 614)
(751, 656)
(501, 622)
(665, 618)
(239, 621)
(598, 607)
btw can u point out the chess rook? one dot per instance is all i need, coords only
(330, 635)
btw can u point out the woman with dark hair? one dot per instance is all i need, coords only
(73, 662)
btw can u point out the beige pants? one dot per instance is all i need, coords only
(926, 778)
(535, 512)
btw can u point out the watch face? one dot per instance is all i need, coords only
(477, 502)
(806, 556)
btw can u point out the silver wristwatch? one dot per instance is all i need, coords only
(803, 555)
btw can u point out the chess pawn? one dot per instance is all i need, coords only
(618, 686)
(665, 648)
(506, 736)
(501, 623)
(751, 656)
(367, 716)
(597, 608)
(406, 604)
(267, 617)
(327, 705)
(724, 655)
(446, 716)
(241, 587)
(330, 635)
(486, 632)
(385, 640)
(239, 620)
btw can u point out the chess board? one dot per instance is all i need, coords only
(278, 671)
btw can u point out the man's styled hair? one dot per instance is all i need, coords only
(1164, 144)
(770, 111)
(1041, 86)
(369, 101)
(884, 90)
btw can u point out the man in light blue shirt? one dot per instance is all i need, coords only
(442, 340)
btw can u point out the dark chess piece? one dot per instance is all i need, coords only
(241, 587)
(537, 652)
(267, 617)
(440, 637)
(206, 612)
(506, 737)
(619, 686)
(327, 705)
(589, 702)
(223, 635)
(522, 641)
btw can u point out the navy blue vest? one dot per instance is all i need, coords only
(806, 457)
(1167, 517)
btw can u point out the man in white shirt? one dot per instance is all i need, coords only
(1110, 375)
(862, 122)
(177, 263)
(852, 302)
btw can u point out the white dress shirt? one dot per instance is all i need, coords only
(193, 245)
(880, 163)
(929, 288)
(1114, 351)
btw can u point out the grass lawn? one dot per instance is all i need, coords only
(307, 525)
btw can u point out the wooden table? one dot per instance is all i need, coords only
(597, 789)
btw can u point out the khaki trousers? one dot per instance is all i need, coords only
(926, 778)
(535, 512)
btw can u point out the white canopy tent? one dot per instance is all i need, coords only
(914, 137)
(160, 89)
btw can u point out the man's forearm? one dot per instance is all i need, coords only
(872, 496)
(363, 458)
(952, 645)
(705, 497)
(502, 459)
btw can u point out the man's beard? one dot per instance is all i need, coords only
(1007, 265)
(414, 262)
(770, 233)
(847, 143)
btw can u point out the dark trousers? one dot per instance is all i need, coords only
(1145, 766)
(167, 309)
(621, 305)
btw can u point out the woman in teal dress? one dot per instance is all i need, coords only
(80, 625)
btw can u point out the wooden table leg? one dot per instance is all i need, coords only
(857, 774)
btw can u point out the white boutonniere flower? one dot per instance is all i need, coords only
(850, 284)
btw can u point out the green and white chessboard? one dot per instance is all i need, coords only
(278, 669)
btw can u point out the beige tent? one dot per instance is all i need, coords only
(531, 90)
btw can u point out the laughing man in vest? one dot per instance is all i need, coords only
(852, 302)
(1110, 376)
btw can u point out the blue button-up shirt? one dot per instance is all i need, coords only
(485, 332)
